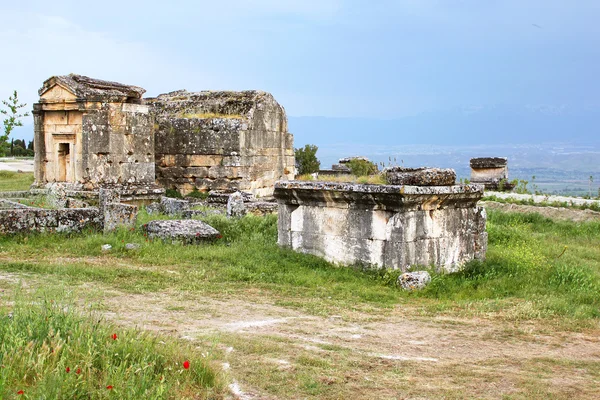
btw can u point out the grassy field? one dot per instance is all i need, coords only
(289, 325)
(15, 180)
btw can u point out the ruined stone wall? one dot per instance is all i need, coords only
(383, 225)
(221, 141)
(118, 145)
(41, 220)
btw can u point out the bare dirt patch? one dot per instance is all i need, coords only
(358, 356)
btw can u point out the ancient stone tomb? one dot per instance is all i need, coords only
(393, 226)
(92, 132)
(221, 141)
(492, 172)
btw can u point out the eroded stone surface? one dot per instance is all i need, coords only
(119, 215)
(171, 206)
(383, 225)
(221, 141)
(235, 205)
(186, 231)
(420, 176)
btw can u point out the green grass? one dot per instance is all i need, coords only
(10, 180)
(549, 268)
(49, 351)
(535, 268)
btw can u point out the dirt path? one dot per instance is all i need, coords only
(489, 357)
(274, 352)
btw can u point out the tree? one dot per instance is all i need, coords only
(12, 120)
(306, 159)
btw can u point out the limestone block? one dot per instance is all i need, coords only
(182, 231)
(235, 205)
(420, 176)
(414, 280)
(383, 225)
(119, 215)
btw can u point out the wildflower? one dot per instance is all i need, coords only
(186, 364)
(219, 236)
(68, 370)
(78, 371)
(20, 392)
(109, 387)
(114, 336)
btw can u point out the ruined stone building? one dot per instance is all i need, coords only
(222, 141)
(94, 133)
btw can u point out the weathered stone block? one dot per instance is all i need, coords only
(118, 215)
(182, 231)
(383, 225)
(420, 176)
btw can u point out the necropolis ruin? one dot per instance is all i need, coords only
(93, 133)
(392, 226)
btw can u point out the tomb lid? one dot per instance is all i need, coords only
(212, 104)
(488, 162)
(85, 88)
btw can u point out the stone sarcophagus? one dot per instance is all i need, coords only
(92, 133)
(392, 226)
(221, 141)
(492, 172)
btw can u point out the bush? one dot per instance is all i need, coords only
(174, 193)
(196, 194)
(362, 167)
(306, 159)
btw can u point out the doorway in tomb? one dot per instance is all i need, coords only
(64, 162)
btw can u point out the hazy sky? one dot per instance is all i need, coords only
(377, 58)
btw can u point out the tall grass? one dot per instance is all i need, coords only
(10, 180)
(49, 351)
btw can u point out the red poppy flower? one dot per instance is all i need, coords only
(114, 336)
(20, 392)
(78, 371)
(186, 364)
(109, 387)
(68, 370)
(219, 236)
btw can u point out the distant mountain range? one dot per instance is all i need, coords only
(469, 126)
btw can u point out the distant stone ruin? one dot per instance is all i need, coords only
(492, 172)
(393, 226)
(91, 133)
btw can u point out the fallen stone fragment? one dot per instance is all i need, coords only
(172, 206)
(153, 208)
(132, 246)
(261, 208)
(106, 247)
(187, 231)
(420, 176)
(414, 280)
(235, 205)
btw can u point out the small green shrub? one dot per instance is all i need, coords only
(306, 159)
(362, 167)
(174, 193)
(196, 194)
